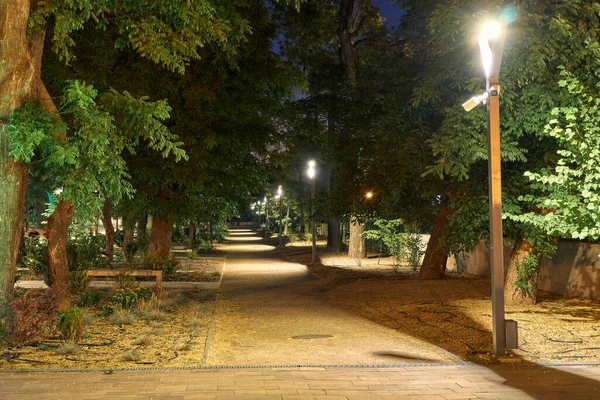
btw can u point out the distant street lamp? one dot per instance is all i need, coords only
(280, 197)
(252, 207)
(369, 195)
(491, 45)
(311, 174)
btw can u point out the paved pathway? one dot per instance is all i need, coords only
(273, 312)
(433, 382)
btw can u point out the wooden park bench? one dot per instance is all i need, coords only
(136, 272)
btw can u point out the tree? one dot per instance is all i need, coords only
(537, 34)
(169, 34)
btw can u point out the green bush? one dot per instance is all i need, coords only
(79, 281)
(403, 242)
(526, 272)
(204, 246)
(86, 252)
(167, 265)
(91, 298)
(35, 256)
(71, 324)
(128, 298)
(119, 236)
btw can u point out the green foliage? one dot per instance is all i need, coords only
(526, 273)
(31, 126)
(71, 324)
(142, 120)
(86, 251)
(167, 265)
(204, 246)
(128, 298)
(404, 243)
(90, 298)
(35, 256)
(167, 33)
(566, 196)
(79, 281)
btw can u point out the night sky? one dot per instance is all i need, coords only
(391, 12)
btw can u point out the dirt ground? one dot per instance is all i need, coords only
(455, 313)
(175, 335)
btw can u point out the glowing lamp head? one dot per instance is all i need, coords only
(311, 169)
(369, 195)
(492, 30)
(265, 200)
(279, 191)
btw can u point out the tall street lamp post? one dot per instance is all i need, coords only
(491, 45)
(280, 197)
(311, 174)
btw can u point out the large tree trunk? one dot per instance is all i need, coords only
(348, 57)
(356, 245)
(514, 295)
(128, 225)
(57, 233)
(436, 254)
(334, 236)
(192, 232)
(109, 229)
(20, 57)
(160, 238)
(142, 224)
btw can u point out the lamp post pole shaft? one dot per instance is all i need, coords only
(312, 223)
(496, 236)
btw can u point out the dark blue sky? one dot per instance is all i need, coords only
(391, 12)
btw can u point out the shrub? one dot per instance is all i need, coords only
(403, 242)
(86, 252)
(204, 246)
(33, 316)
(128, 298)
(167, 265)
(70, 324)
(526, 272)
(35, 256)
(79, 281)
(90, 298)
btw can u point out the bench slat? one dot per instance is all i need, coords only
(137, 272)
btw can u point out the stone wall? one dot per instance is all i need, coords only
(574, 271)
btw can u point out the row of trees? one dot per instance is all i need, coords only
(175, 109)
(382, 112)
(136, 108)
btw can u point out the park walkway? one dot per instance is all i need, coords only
(272, 312)
(275, 337)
